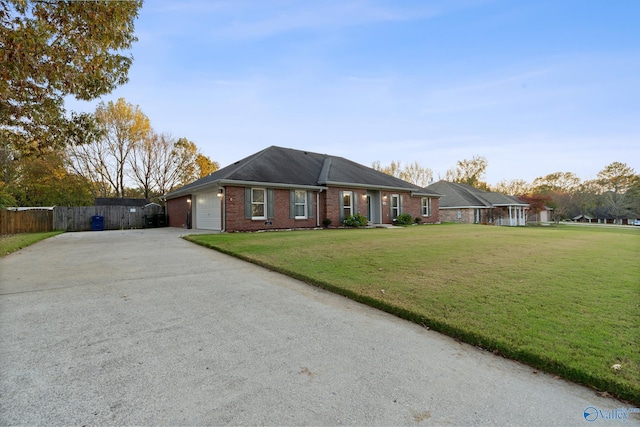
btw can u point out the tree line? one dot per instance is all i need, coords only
(613, 194)
(50, 50)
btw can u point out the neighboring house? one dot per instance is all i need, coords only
(466, 204)
(543, 216)
(583, 218)
(282, 188)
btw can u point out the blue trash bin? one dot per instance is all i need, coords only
(97, 223)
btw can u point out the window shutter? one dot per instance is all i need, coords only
(310, 204)
(247, 203)
(292, 204)
(354, 202)
(270, 201)
(341, 206)
(400, 204)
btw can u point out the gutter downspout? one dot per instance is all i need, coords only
(318, 208)
(224, 209)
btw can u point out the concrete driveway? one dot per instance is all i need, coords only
(141, 327)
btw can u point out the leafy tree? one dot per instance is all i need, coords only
(615, 180)
(561, 187)
(586, 198)
(537, 202)
(515, 187)
(205, 165)
(470, 172)
(617, 177)
(557, 181)
(53, 49)
(45, 181)
(189, 163)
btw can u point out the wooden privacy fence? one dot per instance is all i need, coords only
(26, 221)
(76, 218)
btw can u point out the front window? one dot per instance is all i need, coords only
(258, 197)
(300, 204)
(395, 206)
(426, 206)
(347, 203)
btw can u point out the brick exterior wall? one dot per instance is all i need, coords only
(236, 221)
(434, 218)
(177, 210)
(451, 215)
(495, 216)
(329, 207)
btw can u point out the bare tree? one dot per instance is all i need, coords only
(416, 174)
(413, 172)
(178, 163)
(143, 161)
(470, 172)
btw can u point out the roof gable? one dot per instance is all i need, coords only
(278, 165)
(456, 195)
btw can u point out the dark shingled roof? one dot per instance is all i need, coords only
(278, 165)
(455, 195)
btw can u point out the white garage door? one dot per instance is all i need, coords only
(208, 212)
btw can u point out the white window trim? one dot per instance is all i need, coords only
(428, 206)
(397, 208)
(263, 203)
(304, 203)
(350, 206)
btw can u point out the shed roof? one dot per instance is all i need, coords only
(288, 167)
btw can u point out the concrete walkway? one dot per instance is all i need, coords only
(141, 327)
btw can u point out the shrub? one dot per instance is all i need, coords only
(356, 220)
(404, 219)
(326, 222)
(417, 220)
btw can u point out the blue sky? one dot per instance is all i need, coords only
(533, 86)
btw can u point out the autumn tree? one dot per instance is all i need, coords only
(53, 49)
(561, 188)
(514, 187)
(537, 202)
(205, 166)
(413, 172)
(470, 172)
(124, 126)
(45, 181)
(394, 168)
(161, 163)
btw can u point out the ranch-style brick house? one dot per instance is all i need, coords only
(466, 204)
(283, 188)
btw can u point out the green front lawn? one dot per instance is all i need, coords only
(563, 299)
(14, 242)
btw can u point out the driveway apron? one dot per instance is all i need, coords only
(142, 327)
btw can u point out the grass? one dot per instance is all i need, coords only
(562, 299)
(13, 242)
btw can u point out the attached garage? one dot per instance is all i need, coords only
(207, 213)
